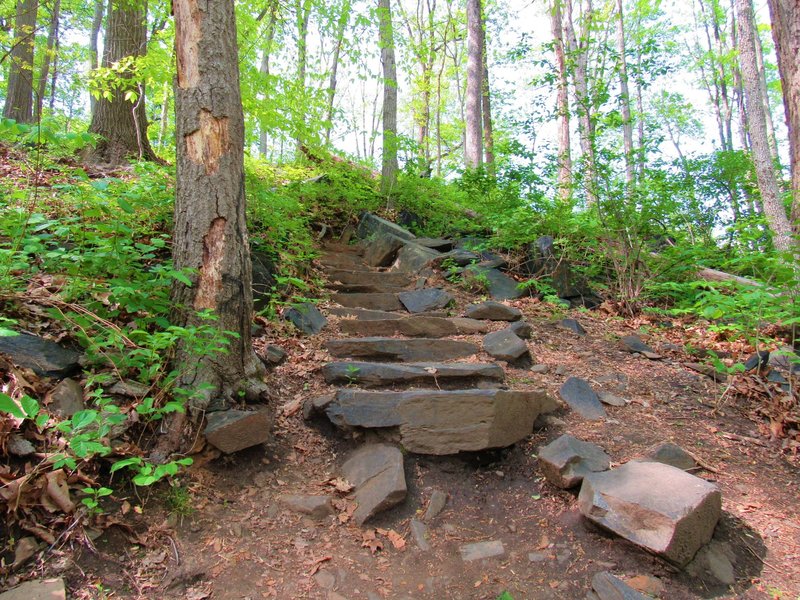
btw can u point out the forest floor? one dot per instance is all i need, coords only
(222, 534)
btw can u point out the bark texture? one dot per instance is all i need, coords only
(486, 104)
(765, 170)
(785, 15)
(625, 101)
(210, 231)
(562, 103)
(122, 124)
(19, 93)
(389, 160)
(49, 57)
(473, 148)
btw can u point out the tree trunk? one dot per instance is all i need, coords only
(94, 36)
(122, 124)
(625, 102)
(19, 93)
(762, 79)
(303, 14)
(486, 104)
(49, 57)
(210, 235)
(562, 103)
(389, 165)
(264, 70)
(473, 150)
(785, 15)
(582, 100)
(765, 170)
(341, 27)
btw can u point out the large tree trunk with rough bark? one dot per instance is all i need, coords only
(19, 93)
(122, 124)
(386, 39)
(49, 58)
(486, 104)
(785, 15)
(562, 104)
(765, 170)
(473, 147)
(625, 102)
(210, 235)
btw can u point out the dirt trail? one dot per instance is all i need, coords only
(239, 542)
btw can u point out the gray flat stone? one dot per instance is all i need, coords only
(609, 587)
(412, 258)
(466, 326)
(317, 507)
(493, 311)
(580, 396)
(566, 460)
(419, 532)
(424, 300)
(634, 344)
(376, 471)
(381, 301)
(504, 345)
(435, 505)
(66, 398)
(501, 286)
(611, 399)
(370, 225)
(481, 550)
(370, 278)
(669, 454)
(416, 326)
(364, 314)
(368, 374)
(522, 329)
(572, 325)
(49, 589)
(663, 509)
(382, 250)
(460, 257)
(440, 244)
(43, 357)
(234, 430)
(316, 405)
(412, 350)
(306, 317)
(441, 421)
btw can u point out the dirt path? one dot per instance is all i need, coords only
(238, 542)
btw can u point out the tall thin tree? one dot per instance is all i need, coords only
(19, 93)
(473, 146)
(389, 164)
(562, 104)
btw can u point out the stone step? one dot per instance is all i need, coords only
(364, 314)
(368, 374)
(343, 261)
(414, 350)
(373, 301)
(416, 326)
(370, 277)
(365, 288)
(444, 422)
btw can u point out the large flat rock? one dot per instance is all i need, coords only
(428, 299)
(581, 398)
(413, 350)
(380, 301)
(376, 471)
(47, 589)
(444, 422)
(368, 374)
(661, 508)
(306, 318)
(44, 357)
(371, 225)
(364, 314)
(500, 286)
(504, 345)
(493, 311)
(370, 278)
(412, 258)
(416, 326)
(382, 249)
(234, 430)
(567, 460)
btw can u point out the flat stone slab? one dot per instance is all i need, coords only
(669, 454)
(370, 278)
(581, 398)
(48, 589)
(381, 301)
(481, 550)
(416, 326)
(412, 258)
(663, 509)
(634, 344)
(42, 356)
(504, 345)
(382, 250)
(306, 317)
(522, 329)
(376, 472)
(435, 505)
(567, 460)
(493, 311)
(368, 374)
(418, 301)
(364, 288)
(66, 398)
(413, 350)
(444, 422)
(608, 587)
(234, 430)
(500, 285)
(317, 507)
(440, 244)
(573, 326)
(364, 314)
(370, 225)
(419, 531)
(467, 326)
